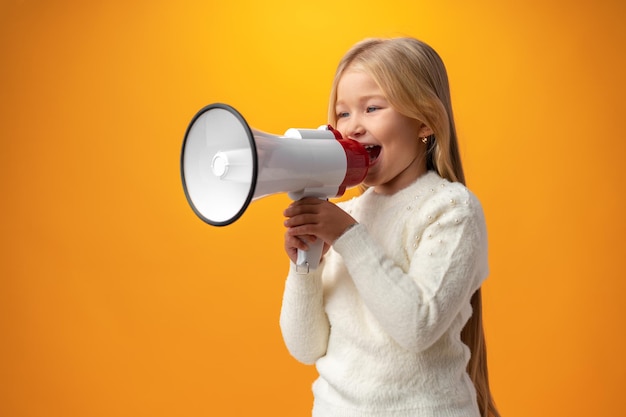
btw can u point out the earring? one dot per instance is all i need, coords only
(425, 139)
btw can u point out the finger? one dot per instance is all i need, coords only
(297, 242)
(304, 205)
(300, 220)
(298, 239)
(306, 231)
(292, 211)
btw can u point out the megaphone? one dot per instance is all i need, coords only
(225, 165)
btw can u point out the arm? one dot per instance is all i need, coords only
(303, 322)
(417, 306)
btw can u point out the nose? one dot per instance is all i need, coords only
(354, 129)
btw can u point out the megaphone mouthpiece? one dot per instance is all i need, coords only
(358, 162)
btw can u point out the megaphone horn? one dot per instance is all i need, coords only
(225, 165)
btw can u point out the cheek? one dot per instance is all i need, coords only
(340, 125)
(403, 136)
(408, 128)
(404, 143)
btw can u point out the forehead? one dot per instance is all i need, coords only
(356, 83)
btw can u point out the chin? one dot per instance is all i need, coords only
(370, 181)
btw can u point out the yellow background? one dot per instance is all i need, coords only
(116, 300)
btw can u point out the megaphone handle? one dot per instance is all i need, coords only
(310, 259)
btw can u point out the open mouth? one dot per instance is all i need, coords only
(373, 152)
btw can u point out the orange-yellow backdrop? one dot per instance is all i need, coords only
(115, 300)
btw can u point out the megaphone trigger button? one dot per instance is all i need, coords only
(302, 269)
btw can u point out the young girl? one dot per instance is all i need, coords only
(392, 316)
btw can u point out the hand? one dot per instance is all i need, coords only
(310, 219)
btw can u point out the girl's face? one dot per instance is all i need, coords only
(397, 155)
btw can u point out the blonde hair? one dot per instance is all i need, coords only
(414, 80)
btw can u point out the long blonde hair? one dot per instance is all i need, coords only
(414, 80)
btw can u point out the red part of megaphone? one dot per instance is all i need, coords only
(358, 162)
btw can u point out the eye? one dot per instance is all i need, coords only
(371, 109)
(342, 114)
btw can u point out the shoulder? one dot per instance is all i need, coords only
(442, 206)
(441, 196)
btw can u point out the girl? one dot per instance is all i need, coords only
(392, 316)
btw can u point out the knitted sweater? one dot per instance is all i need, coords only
(382, 315)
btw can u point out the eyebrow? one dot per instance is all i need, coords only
(366, 98)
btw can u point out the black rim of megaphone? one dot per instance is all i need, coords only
(254, 164)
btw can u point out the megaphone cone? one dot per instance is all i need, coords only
(225, 164)
(219, 144)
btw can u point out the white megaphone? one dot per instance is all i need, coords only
(225, 165)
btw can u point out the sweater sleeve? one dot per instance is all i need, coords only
(303, 321)
(417, 305)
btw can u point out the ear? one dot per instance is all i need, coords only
(424, 131)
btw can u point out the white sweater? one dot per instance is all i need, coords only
(382, 315)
